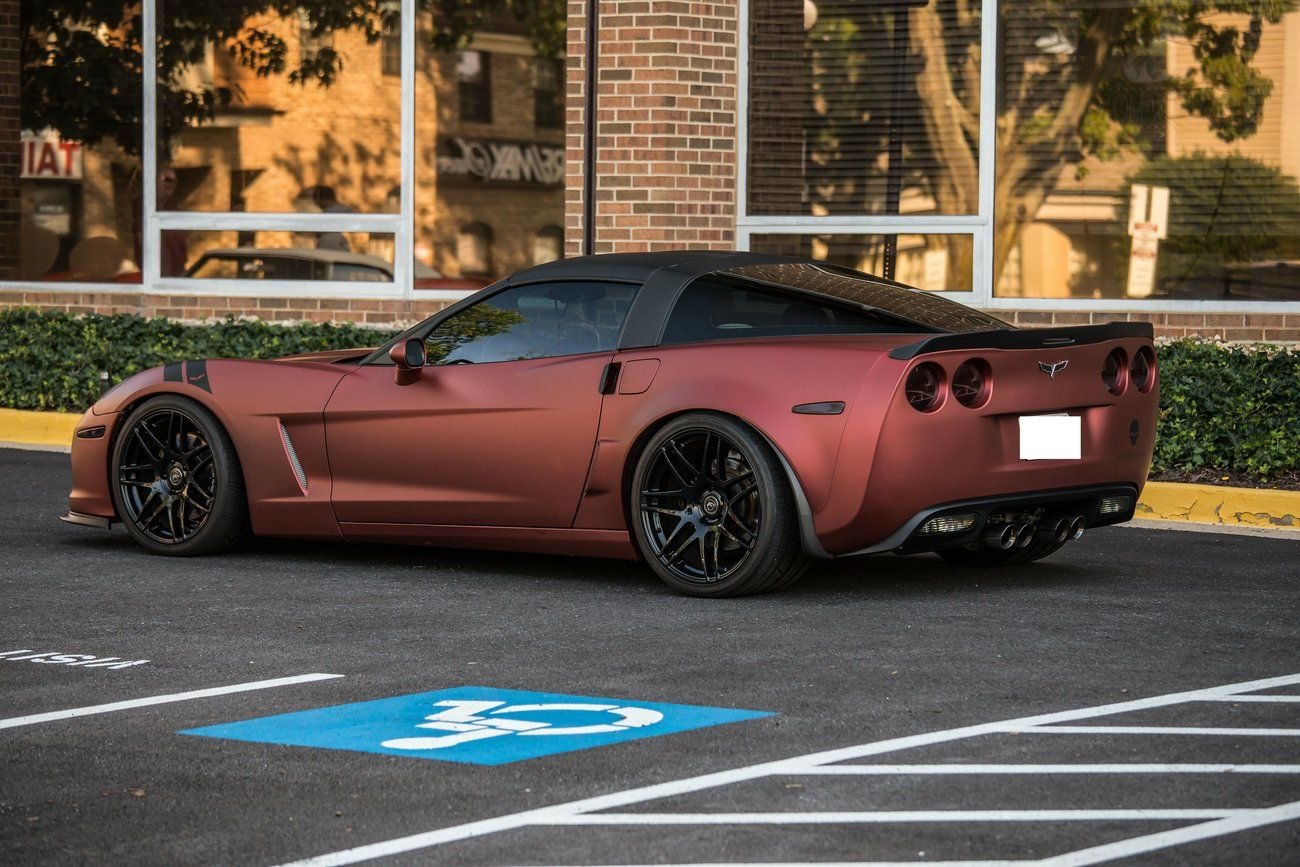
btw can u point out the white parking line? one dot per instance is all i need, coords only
(1237, 699)
(903, 770)
(34, 719)
(885, 817)
(805, 764)
(1153, 730)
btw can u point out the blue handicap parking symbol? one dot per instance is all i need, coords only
(476, 724)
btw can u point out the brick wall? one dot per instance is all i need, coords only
(10, 131)
(666, 122)
(1252, 327)
(188, 308)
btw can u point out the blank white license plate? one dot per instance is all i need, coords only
(1050, 438)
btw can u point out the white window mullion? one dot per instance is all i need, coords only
(150, 233)
(404, 236)
(988, 120)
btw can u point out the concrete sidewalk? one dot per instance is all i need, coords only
(1164, 501)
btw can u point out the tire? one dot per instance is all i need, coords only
(984, 557)
(712, 511)
(176, 480)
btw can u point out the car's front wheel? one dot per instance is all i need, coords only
(712, 512)
(176, 479)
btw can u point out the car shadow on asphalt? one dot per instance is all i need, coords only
(884, 576)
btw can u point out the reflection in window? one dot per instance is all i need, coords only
(864, 108)
(936, 263)
(541, 320)
(548, 245)
(474, 80)
(474, 249)
(1140, 152)
(390, 49)
(548, 98)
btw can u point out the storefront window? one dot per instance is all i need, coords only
(1147, 152)
(489, 183)
(936, 263)
(864, 108)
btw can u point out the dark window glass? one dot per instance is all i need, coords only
(548, 106)
(721, 308)
(310, 42)
(536, 321)
(474, 81)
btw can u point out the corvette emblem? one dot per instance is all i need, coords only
(1052, 369)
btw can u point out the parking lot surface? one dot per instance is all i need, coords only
(1132, 699)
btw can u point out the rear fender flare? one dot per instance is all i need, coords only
(808, 540)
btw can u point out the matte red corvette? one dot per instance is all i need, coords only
(728, 417)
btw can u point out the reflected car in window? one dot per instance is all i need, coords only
(728, 418)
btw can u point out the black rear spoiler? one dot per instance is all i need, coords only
(1025, 338)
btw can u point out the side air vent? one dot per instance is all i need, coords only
(293, 458)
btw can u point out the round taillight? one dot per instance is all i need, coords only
(1143, 371)
(1114, 371)
(971, 382)
(923, 386)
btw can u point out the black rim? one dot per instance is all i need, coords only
(167, 477)
(700, 506)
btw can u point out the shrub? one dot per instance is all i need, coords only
(56, 361)
(1228, 408)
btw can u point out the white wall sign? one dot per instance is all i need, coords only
(46, 156)
(502, 162)
(1147, 227)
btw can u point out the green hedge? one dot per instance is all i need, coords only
(1223, 409)
(1228, 409)
(56, 361)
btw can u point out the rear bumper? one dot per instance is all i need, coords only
(1033, 506)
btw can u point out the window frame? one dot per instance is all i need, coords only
(980, 226)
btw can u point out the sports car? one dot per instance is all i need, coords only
(726, 417)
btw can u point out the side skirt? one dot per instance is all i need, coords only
(538, 540)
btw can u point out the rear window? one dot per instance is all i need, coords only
(719, 308)
(930, 312)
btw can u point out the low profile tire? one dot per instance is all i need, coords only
(176, 479)
(986, 557)
(712, 511)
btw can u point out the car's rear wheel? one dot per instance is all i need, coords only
(176, 479)
(985, 556)
(712, 512)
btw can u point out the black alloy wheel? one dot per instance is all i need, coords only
(176, 479)
(712, 511)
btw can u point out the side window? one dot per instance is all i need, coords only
(716, 308)
(540, 320)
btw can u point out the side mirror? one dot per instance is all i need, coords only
(409, 358)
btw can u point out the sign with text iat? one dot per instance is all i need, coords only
(45, 156)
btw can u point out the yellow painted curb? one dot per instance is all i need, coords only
(37, 428)
(1211, 504)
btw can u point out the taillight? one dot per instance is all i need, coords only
(1114, 371)
(970, 383)
(1143, 371)
(923, 386)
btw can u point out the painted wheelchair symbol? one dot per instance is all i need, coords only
(476, 720)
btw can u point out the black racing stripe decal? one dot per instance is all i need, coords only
(172, 372)
(196, 374)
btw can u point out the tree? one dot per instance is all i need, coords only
(1059, 64)
(82, 62)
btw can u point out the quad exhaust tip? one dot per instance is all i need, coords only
(1061, 530)
(1002, 536)
(1024, 535)
(1077, 527)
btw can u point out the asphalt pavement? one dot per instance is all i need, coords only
(927, 713)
